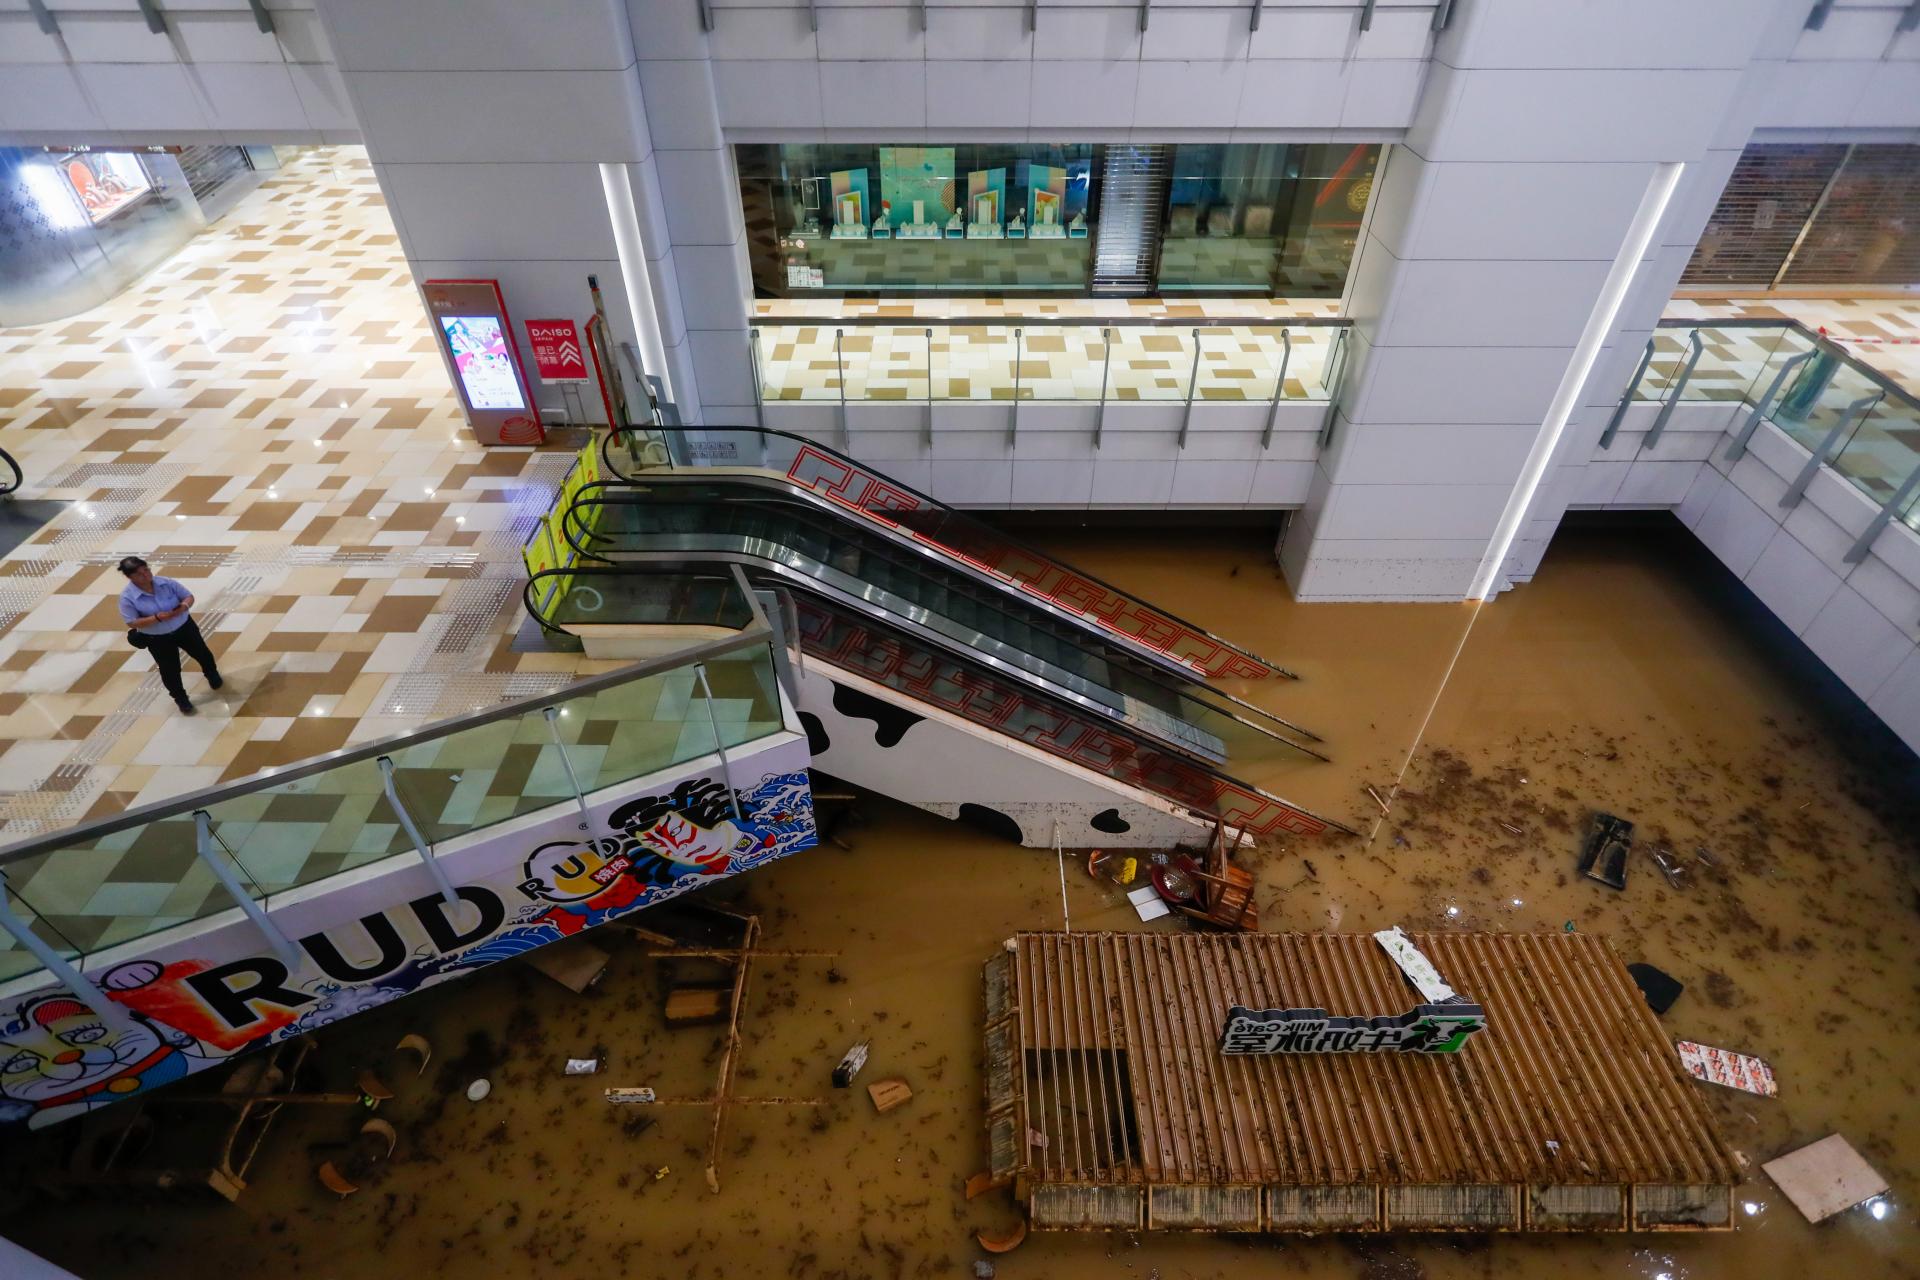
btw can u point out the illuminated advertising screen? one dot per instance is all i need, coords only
(105, 181)
(479, 347)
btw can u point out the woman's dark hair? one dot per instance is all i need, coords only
(131, 565)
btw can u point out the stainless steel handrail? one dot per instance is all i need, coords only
(1058, 322)
(1820, 340)
(183, 805)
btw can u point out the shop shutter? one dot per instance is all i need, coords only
(1133, 199)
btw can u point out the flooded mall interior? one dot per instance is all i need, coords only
(901, 639)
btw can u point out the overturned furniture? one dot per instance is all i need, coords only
(1111, 1105)
(184, 1142)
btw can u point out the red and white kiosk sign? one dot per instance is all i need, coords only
(476, 337)
(556, 350)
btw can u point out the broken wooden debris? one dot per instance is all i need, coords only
(381, 1130)
(416, 1043)
(333, 1180)
(1727, 1068)
(630, 1095)
(696, 1006)
(850, 1065)
(1605, 856)
(575, 965)
(372, 1086)
(1825, 1178)
(1002, 1241)
(889, 1093)
(581, 1066)
(981, 1183)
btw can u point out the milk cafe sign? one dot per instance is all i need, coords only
(1426, 1028)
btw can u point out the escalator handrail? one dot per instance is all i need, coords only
(576, 530)
(1262, 666)
(881, 619)
(597, 491)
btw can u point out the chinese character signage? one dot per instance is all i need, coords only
(556, 350)
(1427, 1028)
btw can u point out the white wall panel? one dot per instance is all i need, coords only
(509, 211)
(249, 97)
(1084, 95)
(145, 97)
(1292, 95)
(679, 98)
(45, 98)
(874, 95)
(539, 116)
(1856, 642)
(1099, 34)
(1187, 95)
(976, 95)
(701, 195)
(997, 34)
(1381, 94)
(769, 94)
(871, 34)
(479, 35)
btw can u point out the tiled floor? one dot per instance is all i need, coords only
(265, 418)
(1882, 332)
(1061, 349)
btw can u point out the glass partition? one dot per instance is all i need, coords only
(126, 877)
(1267, 218)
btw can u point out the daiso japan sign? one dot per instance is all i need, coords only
(556, 350)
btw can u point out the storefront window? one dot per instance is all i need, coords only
(1012, 219)
(77, 226)
(1275, 219)
(863, 218)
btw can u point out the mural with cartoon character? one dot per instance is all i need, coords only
(58, 1058)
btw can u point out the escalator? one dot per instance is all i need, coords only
(1093, 677)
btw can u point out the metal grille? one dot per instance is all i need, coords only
(1083, 1207)
(1657, 1205)
(210, 168)
(1576, 1208)
(1868, 231)
(1203, 1208)
(1133, 199)
(1323, 1208)
(1767, 201)
(1462, 1206)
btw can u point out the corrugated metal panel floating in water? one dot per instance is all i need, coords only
(1572, 1093)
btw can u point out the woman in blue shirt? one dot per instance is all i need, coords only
(157, 608)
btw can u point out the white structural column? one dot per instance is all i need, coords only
(691, 206)
(1541, 133)
(488, 123)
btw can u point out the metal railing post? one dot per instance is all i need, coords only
(1626, 397)
(71, 978)
(1145, 7)
(1253, 23)
(413, 832)
(1858, 552)
(1193, 376)
(1442, 14)
(1853, 413)
(1334, 378)
(156, 21)
(1106, 364)
(1754, 419)
(1366, 14)
(579, 796)
(840, 366)
(1674, 392)
(753, 361)
(720, 748)
(203, 838)
(1279, 385)
(49, 25)
(261, 18)
(929, 334)
(1013, 420)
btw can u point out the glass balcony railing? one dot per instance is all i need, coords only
(116, 880)
(1851, 417)
(847, 361)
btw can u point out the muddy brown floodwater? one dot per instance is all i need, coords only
(1629, 676)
